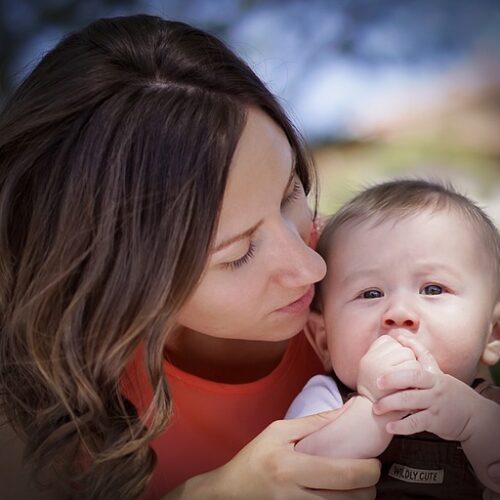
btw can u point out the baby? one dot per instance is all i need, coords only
(409, 308)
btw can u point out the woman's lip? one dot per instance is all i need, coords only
(300, 305)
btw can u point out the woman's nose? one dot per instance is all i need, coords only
(297, 264)
(400, 316)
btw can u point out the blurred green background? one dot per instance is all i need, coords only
(459, 143)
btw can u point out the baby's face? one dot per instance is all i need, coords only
(427, 274)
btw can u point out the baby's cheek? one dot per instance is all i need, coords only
(347, 345)
(346, 370)
(463, 367)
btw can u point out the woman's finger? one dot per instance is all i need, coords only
(311, 494)
(296, 429)
(327, 473)
(360, 494)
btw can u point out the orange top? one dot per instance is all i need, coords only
(212, 421)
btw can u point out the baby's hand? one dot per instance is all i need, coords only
(438, 403)
(384, 356)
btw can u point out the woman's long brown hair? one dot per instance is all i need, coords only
(114, 155)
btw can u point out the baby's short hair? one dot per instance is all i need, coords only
(405, 197)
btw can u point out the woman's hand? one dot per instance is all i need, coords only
(269, 467)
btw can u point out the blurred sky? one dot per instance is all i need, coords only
(341, 67)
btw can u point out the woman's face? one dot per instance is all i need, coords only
(258, 281)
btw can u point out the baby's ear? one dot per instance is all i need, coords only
(316, 334)
(491, 353)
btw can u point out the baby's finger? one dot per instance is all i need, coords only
(382, 345)
(403, 401)
(411, 364)
(393, 353)
(412, 424)
(423, 354)
(402, 355)
(416, 378)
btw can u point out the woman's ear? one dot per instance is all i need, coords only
(316, 334)
(491, 353)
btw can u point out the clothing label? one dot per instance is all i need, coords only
(411, 475)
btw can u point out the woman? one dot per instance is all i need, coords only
(156, 271)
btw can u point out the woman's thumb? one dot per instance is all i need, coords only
(299, 428)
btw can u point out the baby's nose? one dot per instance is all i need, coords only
(400, 317)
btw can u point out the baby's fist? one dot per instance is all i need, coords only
(383, 356)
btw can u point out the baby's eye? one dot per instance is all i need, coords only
(371, 294)
(432, 290)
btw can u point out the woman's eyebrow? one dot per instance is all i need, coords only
(250, 231)
(238, 237)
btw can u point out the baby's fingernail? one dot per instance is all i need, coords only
(390, 428)
(380, 382)
(375, 409)
(494, 472)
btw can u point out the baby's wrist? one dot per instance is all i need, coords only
(371, 393)
(478, 416)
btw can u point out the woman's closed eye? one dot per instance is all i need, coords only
(295, 193)
(236, 264)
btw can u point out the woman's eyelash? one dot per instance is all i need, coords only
(235, 264)
(296, 192)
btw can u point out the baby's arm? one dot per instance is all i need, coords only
(358, 432)
(446, 407)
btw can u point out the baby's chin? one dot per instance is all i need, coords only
(349, 382)
(482, 372)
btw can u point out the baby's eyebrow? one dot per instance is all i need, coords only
(360, 274)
